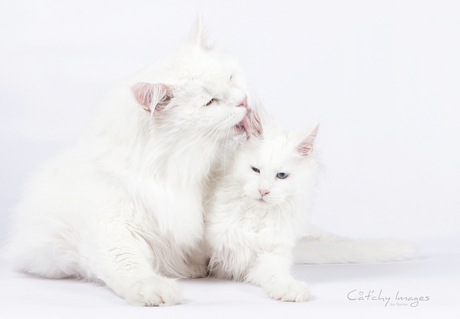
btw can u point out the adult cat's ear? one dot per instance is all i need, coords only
(305, 146)
(257, 118)
(197, 34)
(152, 96)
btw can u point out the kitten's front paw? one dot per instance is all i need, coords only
(288, 291)
(154, 292)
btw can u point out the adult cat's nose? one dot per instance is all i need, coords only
(263, 192)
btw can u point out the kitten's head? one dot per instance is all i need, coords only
(196, 89)
(274, 166)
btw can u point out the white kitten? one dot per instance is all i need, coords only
(124, 206)
(256, 215)
(257, 212)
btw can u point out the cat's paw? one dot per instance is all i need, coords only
(288, 291)
(154, 292)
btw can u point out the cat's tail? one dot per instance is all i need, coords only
(320, 247)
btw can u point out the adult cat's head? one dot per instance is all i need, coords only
(196, 90)
(273, 167)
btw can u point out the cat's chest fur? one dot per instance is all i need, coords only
(257, 223)
(238, 224)
(237, 231)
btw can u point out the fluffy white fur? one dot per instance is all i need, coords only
(124, 206)
(255, 222)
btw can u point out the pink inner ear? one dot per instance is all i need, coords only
(305, 147)
(142, 95)
(152, 96)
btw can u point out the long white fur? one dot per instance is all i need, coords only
(250, 237)
(124, 206)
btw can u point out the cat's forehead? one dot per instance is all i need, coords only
(213, 71)
(214, 64)
(274, 152)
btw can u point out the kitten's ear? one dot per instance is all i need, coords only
(197, 34)
(256, 119)
(152, 96)
(305, 146)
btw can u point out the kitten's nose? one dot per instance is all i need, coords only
(263, 192)
(244, 102)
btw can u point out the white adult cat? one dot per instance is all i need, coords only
(124, 206)
(257, 212)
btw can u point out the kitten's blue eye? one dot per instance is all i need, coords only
(282, 175)
(255, 169)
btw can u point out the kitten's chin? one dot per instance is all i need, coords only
(261, 202)
(266, 203)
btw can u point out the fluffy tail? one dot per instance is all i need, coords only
(320, 247)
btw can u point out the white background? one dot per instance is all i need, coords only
(383, 77)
